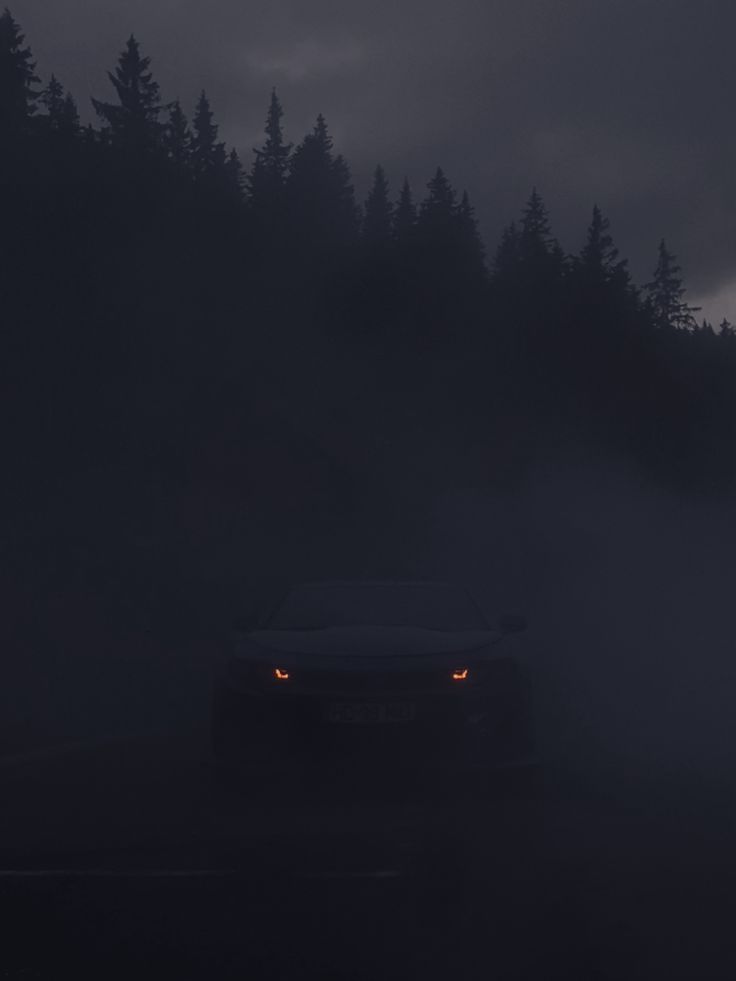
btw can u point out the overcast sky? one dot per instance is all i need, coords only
(627, 103)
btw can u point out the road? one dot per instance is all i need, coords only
(130, 857)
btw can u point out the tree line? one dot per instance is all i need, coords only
(142, 252)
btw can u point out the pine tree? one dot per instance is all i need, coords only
(378, 212)
(666, 294)
(52, 98)
(312, 161)
(437, 210)
(471, 252)
(178, 138)
(600, 277)
(347, 213)
(268, 176)
(447, 237)
(320, 191)
(69, 123)
(542, 261)
(62, 116)
(535, 242)
(234, 176)
(508, 253)
(405, 215)
(599, 262)
(208, 155)
(726, 329)
(133, 124)
(436, 227)
(17, 79)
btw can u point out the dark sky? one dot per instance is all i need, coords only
(627, 103)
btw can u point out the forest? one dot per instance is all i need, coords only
(175, 316)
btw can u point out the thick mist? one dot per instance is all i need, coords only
(628, 591)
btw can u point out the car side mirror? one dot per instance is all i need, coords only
(512, 624)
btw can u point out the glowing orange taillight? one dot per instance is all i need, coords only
(460, 675)
(280, 675)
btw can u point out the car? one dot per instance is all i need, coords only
(406, 673)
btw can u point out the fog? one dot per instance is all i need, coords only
(627, 588)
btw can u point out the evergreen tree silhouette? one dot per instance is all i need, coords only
(600, 277)
(347, 213)
(405, 215)
(271, 166)
(448, 238)
(234, 177)
(536, 244)
(208, 154)
(666, 294)
(69, 124)
(62, 116)
(508, 254)
(435, 234)
(311, 165)
(52, 98)
(437, 210)
(599, 262)
(133, 124)
(320, 191)
(378, 212)
(471, 251)
(17, 79)
(177, 138)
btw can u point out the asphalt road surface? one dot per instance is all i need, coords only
(133, 858)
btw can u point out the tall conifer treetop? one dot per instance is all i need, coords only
(17, 77)
(208, 155)
(666, 294)
(133, 123)
(598, 262)
(536, 236)
(272, 159)
(441, 197)
(266, 181)
(62, 115)
(470, 244)
(405, 214)
(378, 211)
(506, 259)
(178, 137)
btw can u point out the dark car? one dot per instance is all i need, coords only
(410, 673)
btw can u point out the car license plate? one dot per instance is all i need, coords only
(370, 713)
